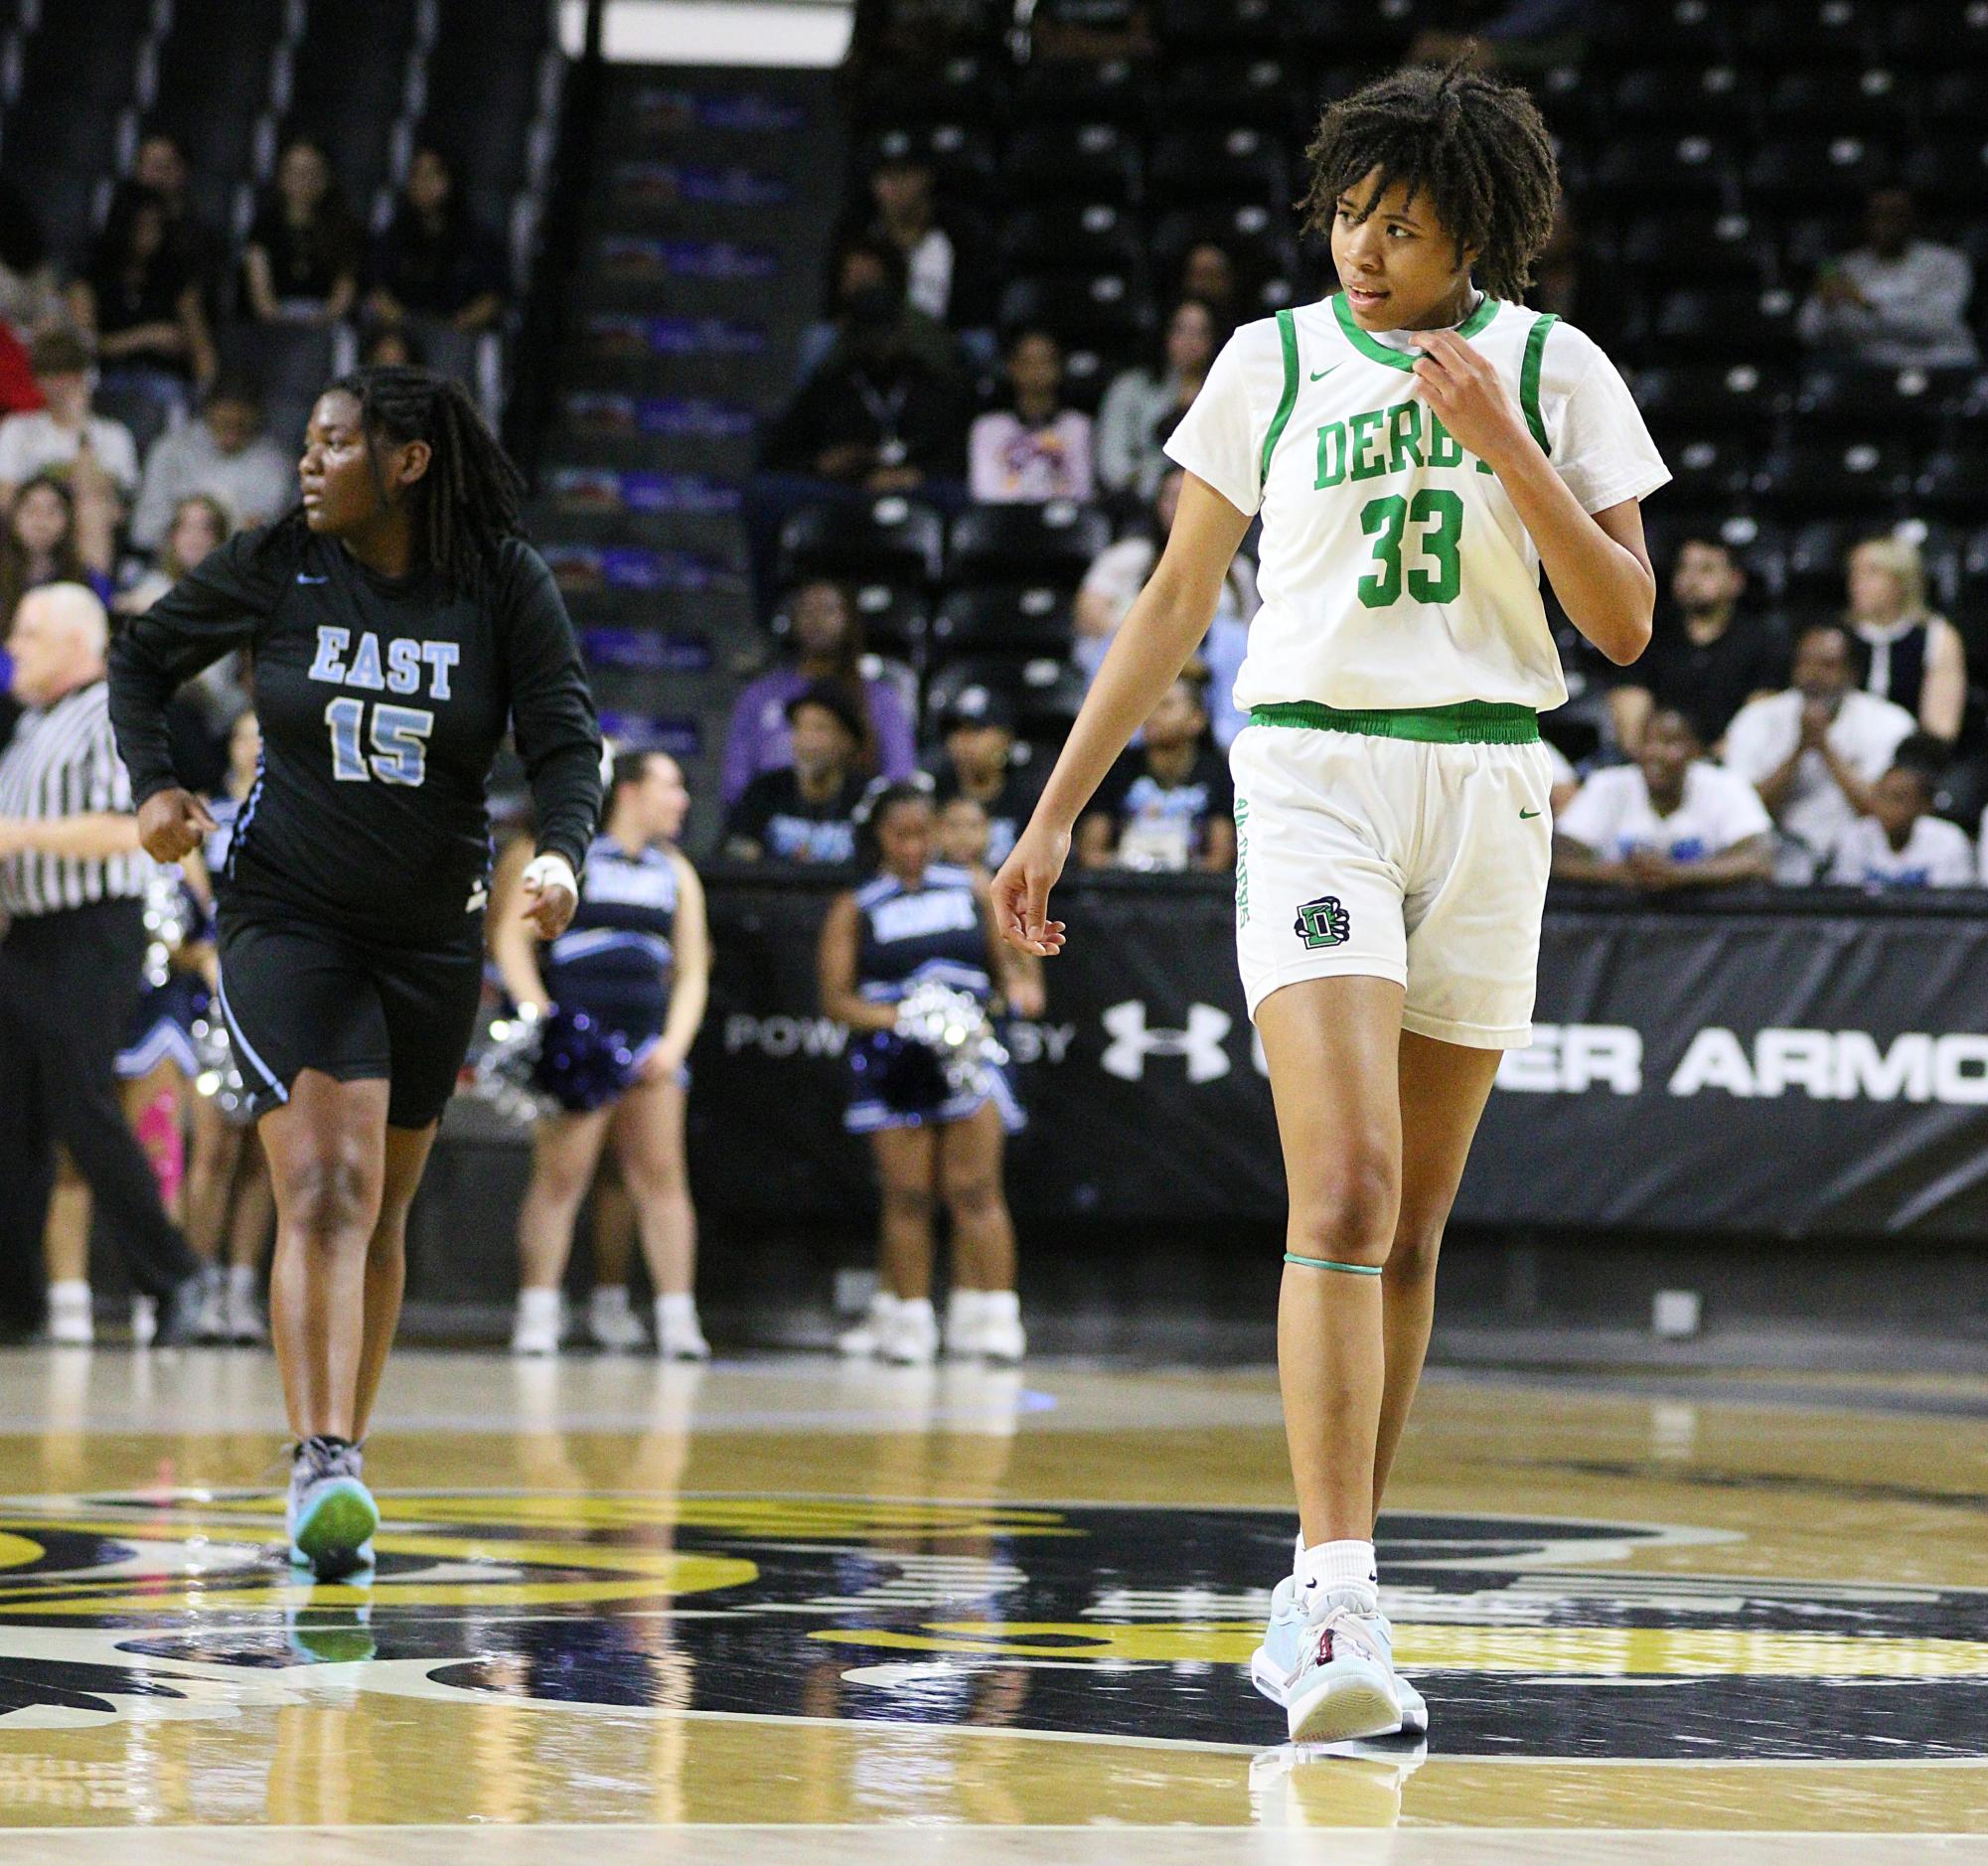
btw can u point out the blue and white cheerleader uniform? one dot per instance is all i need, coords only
(617, 961)
(162, 1020)
(906, 936)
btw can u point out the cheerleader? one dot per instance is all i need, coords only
(921, 920)
(637, 960)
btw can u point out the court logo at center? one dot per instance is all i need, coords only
(1323, 923)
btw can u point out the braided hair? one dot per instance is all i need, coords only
(467, 502)
(1471, 146)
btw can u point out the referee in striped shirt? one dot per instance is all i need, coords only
(72, 895)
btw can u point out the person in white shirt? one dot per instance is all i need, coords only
(1670, 820)
(50, 437)
(907, 216)
(1120, 571)
(1814, 752)
(1036, 449)
(1896, 302)
(1419, 446)
(224, 455)
(1900, 844)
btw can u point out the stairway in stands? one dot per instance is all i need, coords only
(699, 266)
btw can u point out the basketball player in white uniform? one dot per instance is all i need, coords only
(1417, 447)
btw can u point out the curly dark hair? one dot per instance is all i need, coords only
(467, 502)
(1473, 146)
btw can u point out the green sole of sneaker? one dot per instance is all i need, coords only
(340, 1524)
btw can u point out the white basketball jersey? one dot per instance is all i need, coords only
(1394, 571)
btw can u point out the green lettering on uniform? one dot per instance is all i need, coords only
(1367, 461)
(1444, 450)
(1404, 435)
(1332, 454)
(1483, 466)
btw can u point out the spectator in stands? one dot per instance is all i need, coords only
(1209, 273)
(1901, 842)
(1670, 820)
(1897, 301)
(301, 264)
(907, 216)
(1168, 804)
(1034, 449)
(1120, 571)
(58, 532)
(864, 267)
(1708, 658)
(225, 455)
(30, 299)
(978, 766)
(140, 305)
(1814, 752)
(434, 267)
(878, 416)
(65, 433)
(824, 635)
(389, 346)
(1142, 407)
(805, 811)
(196, 526)
(161, 166)
(964, 834)
(1917, 659)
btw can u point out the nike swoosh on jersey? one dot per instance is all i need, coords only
(1321, 375)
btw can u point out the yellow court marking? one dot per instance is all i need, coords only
(1592, 1651)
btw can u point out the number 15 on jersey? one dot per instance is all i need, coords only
(400, 738)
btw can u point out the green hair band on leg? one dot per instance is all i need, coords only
(1326, 1263)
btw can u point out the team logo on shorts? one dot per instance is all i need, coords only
(1321, 922)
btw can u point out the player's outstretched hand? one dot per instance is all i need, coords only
(171, 825)
(1022, 891)
(1462, 386)
(550, 895)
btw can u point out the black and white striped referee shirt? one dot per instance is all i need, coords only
(63, 762)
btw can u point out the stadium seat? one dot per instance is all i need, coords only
(1239, 164)
(1818, 551)
(1718, 248)
(1677, 171)
(1224, 26)
(892, 538)
(1728, 322)
(349, 85)
(1044, 693)
(1052, 544)
(1848, 404)
(1362, 29)
(1257, 239)
(1095, 161)
(1624, 30)
(1741, 399)
(963, 88)
(1060, 91)
(292, 362)
(1707, 469)
(895, 619)
(1867, 476)
(1677, 98)
(1955, 100)
(1949, 171)
(1003, 619)
(1874, 98)
(1087, 311)
(1816, 171)
(1267, 93)
(1073, 237)
(1952, 479)
(1813, 32)
(1941, 34)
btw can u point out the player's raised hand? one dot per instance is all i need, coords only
(550, 895)
(1463, 388)
(1022, 891)
(172, 824)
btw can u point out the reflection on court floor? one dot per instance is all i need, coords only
(790, 1591)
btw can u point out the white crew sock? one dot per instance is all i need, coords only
(609, 1299)
(539, 1305)
(916, 1313)
(241, 1280)
(69, 1292)
(964, 1308)
(679, 1311)
(1327, 1567)
(1000, 1305)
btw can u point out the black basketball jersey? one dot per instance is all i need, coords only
(383, 701)
(617, 960)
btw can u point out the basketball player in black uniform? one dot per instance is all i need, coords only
(398, 623)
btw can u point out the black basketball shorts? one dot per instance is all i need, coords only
(301, 996)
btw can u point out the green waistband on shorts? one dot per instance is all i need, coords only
(1469, 722)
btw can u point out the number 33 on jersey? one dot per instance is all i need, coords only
(1394, 570)
(393, 747)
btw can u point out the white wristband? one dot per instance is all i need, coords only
(549, 871)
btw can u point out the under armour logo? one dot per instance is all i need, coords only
(1200, 1043)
